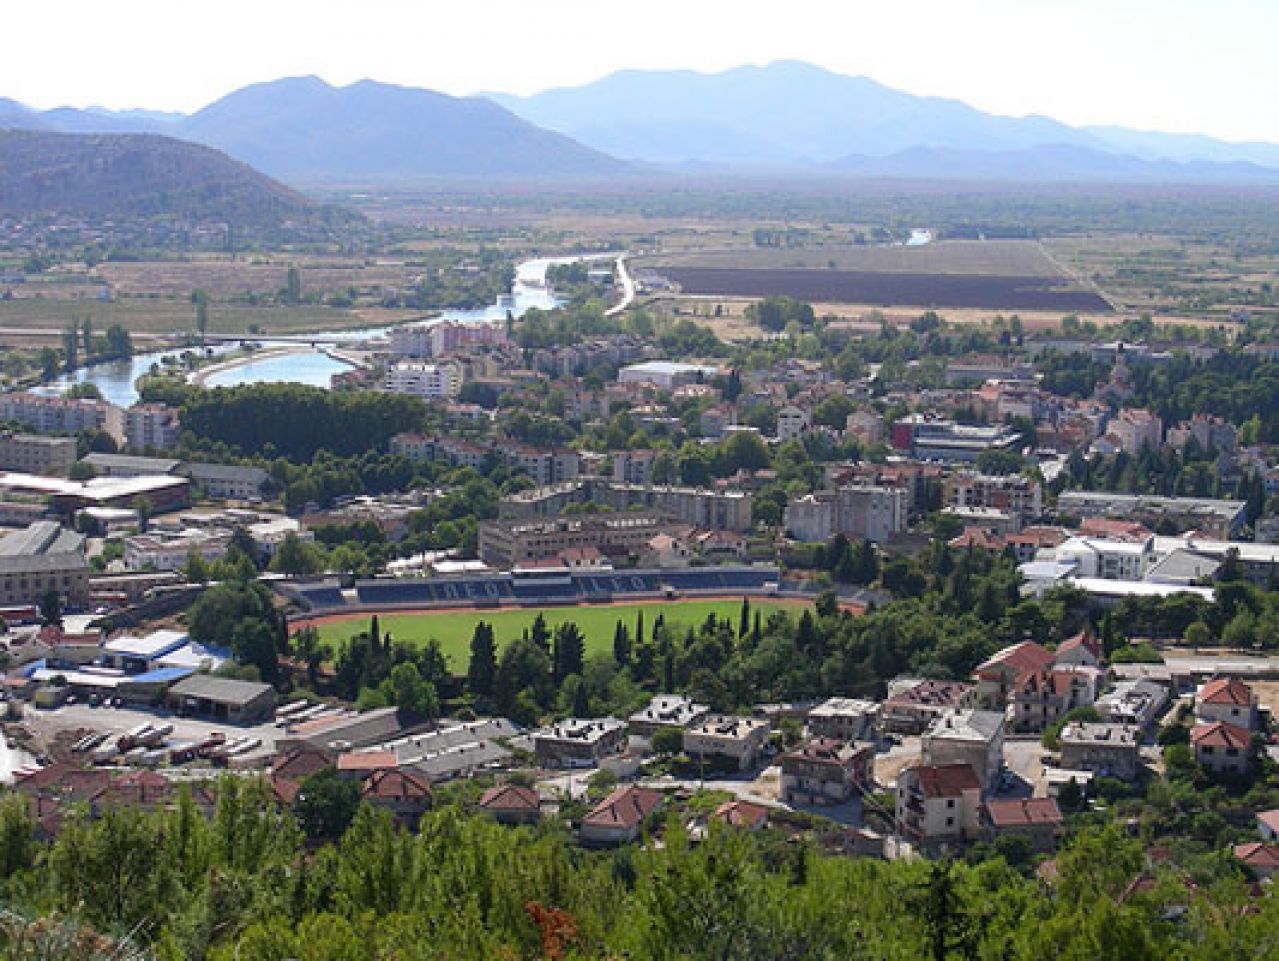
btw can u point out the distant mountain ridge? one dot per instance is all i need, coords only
(793, 113)
(138, 175)
(302, 130)
(786, 116)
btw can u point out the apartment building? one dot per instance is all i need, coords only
(430, 381)
(1012, 494)
(62, 415)
(151, 426)
(739, 741)
(35, 454)
(862, 511)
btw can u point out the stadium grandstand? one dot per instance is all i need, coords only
(533, 588)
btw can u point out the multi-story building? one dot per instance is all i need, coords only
(226, 481)
(62, 415)
(1228, 701)
(862, 511)
(666, 711)
(1041, 698)
(545, 465)
(825, 771)
(866, 426)
(932, 438)
(437, 338)
(35, 454)
(171, 552)
(1208, 432)
(666, 374)
(506, 544)
(579, 743)
(1212, 518)
(845, 719)
(42, 558)
(431, 381)
(634, 466)
(1109, 749)
(1012, 494)
(975, 738)
(1222, 748)
(912, 704)
(996, 675)
(1137, 703)
(726, 510)
(736, 740)
(939, 804)
(1134, 430)
(792, 423)
(151, 426)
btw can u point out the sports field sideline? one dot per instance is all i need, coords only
(453, 628)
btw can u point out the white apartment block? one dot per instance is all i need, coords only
(1011, 494)
(151, 426)
(792, 422)
(431, 381)
(864, 511)
(62, 415)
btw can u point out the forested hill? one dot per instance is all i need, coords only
(125, 176)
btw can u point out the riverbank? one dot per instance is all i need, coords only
(200, 377)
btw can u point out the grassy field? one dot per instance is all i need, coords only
(453, 630)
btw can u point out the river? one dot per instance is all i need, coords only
(117, 379)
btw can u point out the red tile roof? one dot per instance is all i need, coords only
(1083, 639)
(510, 797)
(1023, 812)
(947, 780)
(394, 785)
(625, 807)
(301, 763)
(1258, 855)
(367, 761)
(1220, 734)
(1026, 656)
(1227, 691)
(741, 814)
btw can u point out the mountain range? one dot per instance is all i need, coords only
(786, 116)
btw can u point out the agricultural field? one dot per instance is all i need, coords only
(453, 629)
(989, 275)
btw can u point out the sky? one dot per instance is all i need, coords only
(1193, 66)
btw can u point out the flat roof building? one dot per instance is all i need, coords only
(241, 702)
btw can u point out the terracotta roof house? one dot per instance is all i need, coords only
(405, 795)
(996, 676)
(300, 763)
(620, 817)
(742, 814)
(939, 805)
(1036, 819)
(1222, 748)
(1262, 858)
(361, 764)
(512, 804)
(1081, 650)
(1228, 700)
(1040, 697)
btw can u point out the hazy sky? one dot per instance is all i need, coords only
(1181, 65)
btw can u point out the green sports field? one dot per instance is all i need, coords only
(454, 629)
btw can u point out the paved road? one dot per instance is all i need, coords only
(628, 288)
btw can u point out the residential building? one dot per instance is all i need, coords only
(1108, 749)
(743, 815)
(545, 465)
(1014, 494)
(42, 558)
(866, 426)
(1041, 698)
(1136, 703)
(62, 415)
(845, 719)
(1222, 748)
(579, 743)
(620, 817)
(995, 676)
(430, 381)
(862, 511)
(406, 795)
(35, 454)
(171, 552)
(1229, 701)
(511, 804)
(1081, 650)
(912, 705)
(1116, 560)
(939, 806)
(971, 737)
(1263, 859)
(634, 466)
(1268, 825)
(1212, 518)
(151, 427)
(738, 741)
(440, 337)
(727, 510)
(824, 771)
(666, 711)
(792, 423)
(1038, 820)
(1135, 430)
(1209, 432)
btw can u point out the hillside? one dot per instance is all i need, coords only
(303, 130)
(136, 175)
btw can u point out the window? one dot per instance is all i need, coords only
(950, 802)
(950, 822)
